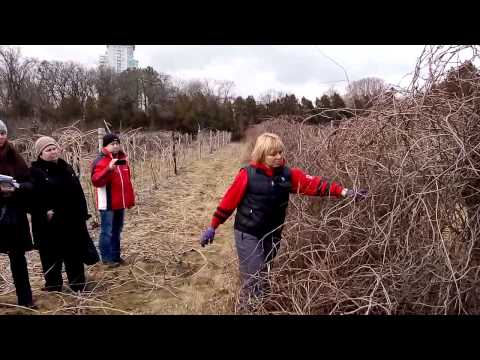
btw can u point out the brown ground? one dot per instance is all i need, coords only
(167, 272)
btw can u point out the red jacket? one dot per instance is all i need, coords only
(114, 189)
(301, 184)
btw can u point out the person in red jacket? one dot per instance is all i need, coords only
(114, 194)
(260, 194)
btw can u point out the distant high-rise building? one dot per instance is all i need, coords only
(119, 57)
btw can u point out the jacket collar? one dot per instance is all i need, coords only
(40, 163)
(7, 152)
(267, 169)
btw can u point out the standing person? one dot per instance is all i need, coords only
(260, 193)
(59, 216)
(114, 194)
(15, 238)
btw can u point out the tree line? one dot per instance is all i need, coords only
(60, 93)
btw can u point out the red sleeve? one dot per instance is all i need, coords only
(314, 185)
(101, 173)
(231, 199)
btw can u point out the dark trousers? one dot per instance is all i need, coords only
(254, 254)
(18, 266)
(52, 260)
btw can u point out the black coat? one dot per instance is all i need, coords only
(16, 234)
(56, 187)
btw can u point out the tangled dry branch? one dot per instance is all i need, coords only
(412, 247)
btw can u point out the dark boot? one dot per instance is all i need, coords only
(75, 272)
(52, 268)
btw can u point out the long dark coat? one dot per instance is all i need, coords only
(56, 187)
(15, 235)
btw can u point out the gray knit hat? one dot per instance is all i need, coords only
(3, 127)
(42, 143)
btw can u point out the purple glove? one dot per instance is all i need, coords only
(357, 195)
(207, 236)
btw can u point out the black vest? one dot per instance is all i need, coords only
(264, 206)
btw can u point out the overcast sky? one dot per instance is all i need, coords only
(305, 70)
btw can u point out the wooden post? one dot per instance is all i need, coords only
(210, 141)
(162, 161)
(199, 140)
(181, 149)
(174, 154)
(100, 134)
(179, 144)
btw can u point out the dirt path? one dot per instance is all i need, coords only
(167, 272)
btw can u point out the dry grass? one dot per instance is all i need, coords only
(167, 272)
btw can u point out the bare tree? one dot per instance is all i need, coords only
(224, 89)
(270, 96)
(16, 78)
(365, 90)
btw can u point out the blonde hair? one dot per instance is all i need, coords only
(266, 143)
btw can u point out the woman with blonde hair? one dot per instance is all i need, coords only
(260, 193)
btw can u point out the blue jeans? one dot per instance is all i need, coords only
(111, 227)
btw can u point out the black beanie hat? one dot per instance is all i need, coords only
(109, 138)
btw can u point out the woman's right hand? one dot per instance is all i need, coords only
(50, 214)
(6, 188)
(207, 236)
(112, 165)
